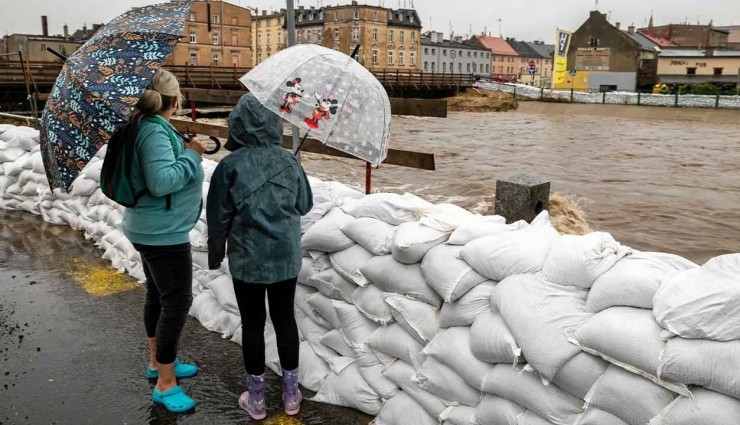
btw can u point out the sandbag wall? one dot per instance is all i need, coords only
(427, 314)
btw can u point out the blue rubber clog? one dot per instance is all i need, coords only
(182, 370)
(174, 400)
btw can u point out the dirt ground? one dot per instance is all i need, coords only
(475, 100)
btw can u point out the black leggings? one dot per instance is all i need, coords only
(251, 300)
(169, 295)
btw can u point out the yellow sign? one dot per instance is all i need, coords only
(560, 71)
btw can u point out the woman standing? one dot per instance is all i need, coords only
(257, 196)
(169, 174)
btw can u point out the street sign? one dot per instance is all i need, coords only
(572, 72)
(532, 70)
(531, 64)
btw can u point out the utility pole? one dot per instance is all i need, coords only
(500, 31)
(290, 23)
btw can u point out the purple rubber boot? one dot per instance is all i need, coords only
(292, 396)
(253, 400)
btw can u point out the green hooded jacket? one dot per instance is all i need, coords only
(257, 196)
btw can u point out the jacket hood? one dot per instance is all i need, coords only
(253, 125)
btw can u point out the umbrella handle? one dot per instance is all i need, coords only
(301, 144)
(217, 148)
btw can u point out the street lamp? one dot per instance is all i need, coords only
(290, 23)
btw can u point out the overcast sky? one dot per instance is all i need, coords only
(522, 19)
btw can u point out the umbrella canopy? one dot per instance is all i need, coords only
(100, 84)
(328, 94)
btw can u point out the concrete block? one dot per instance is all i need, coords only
(521, 197)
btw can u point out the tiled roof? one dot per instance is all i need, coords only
(545, 50)
(497, 45)
(659, 41)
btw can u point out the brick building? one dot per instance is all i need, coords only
(34, 47)
(216, 33)
(687, 35)
(504, 59)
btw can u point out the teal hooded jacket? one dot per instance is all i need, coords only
(257, 196)
(163, 170)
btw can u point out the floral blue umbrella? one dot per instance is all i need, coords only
(101, 82)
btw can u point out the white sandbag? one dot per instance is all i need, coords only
(628, 337)
(633, 280)
(531, 418)
(29, 189)
(467, 308)
(92, 170)
(326, 234)
(538, 313)
(706, 408)
(340, 191)
(525, 388)
(416, 317)
(347, 263)
(223, 289)
(334, 340)
(209, 166)
(390, 208)
(447, 274)
(371, 302)
(313, 370)
(406, 279)
(82, 186)
(452, 348)
(311, 267)
(318, 212)
(441, 381)
(11, 154)
(372, 234)
(594, 416)
(5, 182)
(446, 217)
(412, 241)
(580, 373)
(373, 375)
(37, 163)
(494, 410)
(403, 409)
(355, 327)
(628, 396)
(401, 374)
(457, 415)
(702, 303)
(349, 389)
(14, 189)
(394, 341)
(324, 307)
(711, 364)
(510, 253)
(483, 226)
(333, 285)
(30, 205)
(578, 260)
(491, 341)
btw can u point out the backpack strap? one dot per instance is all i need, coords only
(175, 141)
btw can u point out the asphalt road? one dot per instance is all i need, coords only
(72, 343)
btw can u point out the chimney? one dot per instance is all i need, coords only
(66, 32)
(617, 24)
(84, 30)
(631, 29)
(264, 13)
(44, 25)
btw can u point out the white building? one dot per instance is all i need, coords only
(453, 56)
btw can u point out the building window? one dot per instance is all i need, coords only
(402, 37)
(412, 58)
(336, 33)
(259, 40)
(459, 67)
(335, 16)
(426, 66)
(488, 56)
(215, 19)
(192, 36)
(690, 71)
(310, 16)
(375, 16)
(216, 59)
(235, 59)
(320, 36)
(374, 56)
(411, 18)
(434, 66)
(268, 39)
(413, 37)
(355, 34)
(468, 54)
(356, 14)
(401, 56)
(192, 16)
(468, 67)
(718, 71)
(444, 52)
(321, 14)
(460, 53)
(215, 38)
(235, 37)
(434, 51)
(488, 67)
(194, 58)
(390, 57)
(308, 36)
(234, 21)
(375, 34)
(475, 67)
(300, 17)
(43, 47)
(297, 36)
(444, 66)
(475, 55)
(426, 50)
(400, 16)
(390, 36)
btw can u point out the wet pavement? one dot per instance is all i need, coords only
(72, 343)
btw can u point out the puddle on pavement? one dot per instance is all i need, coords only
(98, 279)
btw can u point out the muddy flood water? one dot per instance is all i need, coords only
(655, 185)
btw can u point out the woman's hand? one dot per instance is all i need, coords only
(196, 145)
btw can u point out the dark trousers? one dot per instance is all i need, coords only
(251, 300)
(169, 295)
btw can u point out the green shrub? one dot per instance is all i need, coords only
(706, 88)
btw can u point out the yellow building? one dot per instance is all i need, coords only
(694, 66)
(216, 33)
(388, 38)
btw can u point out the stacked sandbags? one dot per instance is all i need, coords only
(428, 314)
